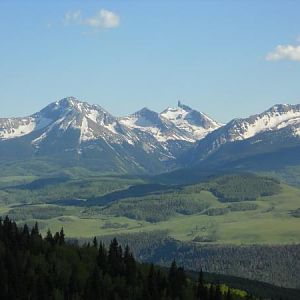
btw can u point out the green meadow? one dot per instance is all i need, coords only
(191, 213)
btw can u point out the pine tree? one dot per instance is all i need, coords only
(177, 281)
(49, 237)
(35, 230)
(115, 258)
(95, 243)
(61, 239)
(102, 258)
(172, 279)
(130, 266)
(201, 289)
(151, 283)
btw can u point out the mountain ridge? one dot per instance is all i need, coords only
(74, 130)
(146, 141)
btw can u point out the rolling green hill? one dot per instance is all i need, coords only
(232, 210)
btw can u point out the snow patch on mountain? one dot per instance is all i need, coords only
(156, 125)
(282, 117)
(194, 123)
(277, 117)
(93, 115)
(17, 127)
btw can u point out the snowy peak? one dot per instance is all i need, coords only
(92, 120)
(194, 123)
(275, 118)
(146, 139)
(73, 106)
(152, 123)
(280, 118)
(181, 124)
(62, 116)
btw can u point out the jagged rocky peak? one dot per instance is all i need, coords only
(184, 112)
(192, 121)
(81, 109)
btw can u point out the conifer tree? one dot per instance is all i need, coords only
(95, 243)
(201, 289)
(61, 239)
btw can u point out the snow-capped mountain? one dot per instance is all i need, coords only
(174, 130)
(155, 124)
(281, 118)
(195, 124)
(90, 121)
(73, 132)
(70, 128)
(275, 118)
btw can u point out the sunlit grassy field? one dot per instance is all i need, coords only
(270, 223)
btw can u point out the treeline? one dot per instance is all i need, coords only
(33, 267)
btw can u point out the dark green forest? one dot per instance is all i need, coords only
(36, 267)
(274, 264)
(243, 187)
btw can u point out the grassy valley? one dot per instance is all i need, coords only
(237, 210)
(233, 209)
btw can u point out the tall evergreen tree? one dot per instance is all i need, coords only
(95, 243)
(201, 289)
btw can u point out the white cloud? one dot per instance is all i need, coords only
(284, 52)
(102, 19)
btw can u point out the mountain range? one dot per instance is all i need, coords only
(70, 132)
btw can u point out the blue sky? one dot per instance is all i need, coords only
(226, 58)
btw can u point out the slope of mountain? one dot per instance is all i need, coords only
(75, 132)
(158, 126)
(196, 124)
(276, 127)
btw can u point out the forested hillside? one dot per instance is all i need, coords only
(241, 225)
(275, 264)
(33, 267)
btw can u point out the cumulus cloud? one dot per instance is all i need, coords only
(285, 52)
(102, 19)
